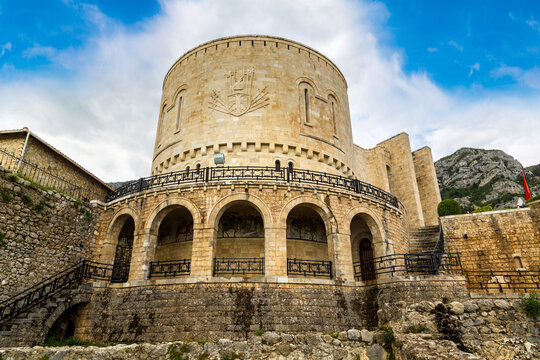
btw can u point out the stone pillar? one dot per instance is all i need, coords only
(202, 252)
(141, 255)
(275, 253)
(428, 185)
(339, 251)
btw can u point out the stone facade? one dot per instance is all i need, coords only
(43, 232)
(52, 165)
(496, 240)
(261, 100)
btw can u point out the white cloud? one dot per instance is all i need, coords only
(533, 24)
(456, 45)
(529, 77)
(104, 115)
(5, 47)
(432, 49)
(473, 68)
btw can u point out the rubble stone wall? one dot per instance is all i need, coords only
(42, 233)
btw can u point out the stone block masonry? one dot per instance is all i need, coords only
(43, 232)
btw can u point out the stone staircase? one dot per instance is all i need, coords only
(424, 239)
(31, 327)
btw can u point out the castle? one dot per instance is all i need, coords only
(260, 212)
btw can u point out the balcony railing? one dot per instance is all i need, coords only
(238, 266)
(170, 268)
(503, 281)
(315, 268)
(231, 173)
(411, 264)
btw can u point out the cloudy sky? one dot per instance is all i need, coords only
(86, 75)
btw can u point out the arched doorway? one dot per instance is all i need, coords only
(174, 243)
(240, 241)
(363, 252)
(66, 325)
(307, 243)
(367, 267)
(124, 248)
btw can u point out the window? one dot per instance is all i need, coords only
(290, 166)
(198, 168)
(306, 92)
(333, 112)
(278, 165)
(179, 109)
(161, 123)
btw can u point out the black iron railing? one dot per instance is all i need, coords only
(69, 278)
(229, 173)
(412, 264)
(238, 266)
(503, 281)
(45, 178)
(315, 268)
(169, 268)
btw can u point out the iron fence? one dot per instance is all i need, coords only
(413, 264)
(231, 173)
(170, 268)
(238, 266)
(69, 278)
(313, 268)
(503, 281)
(43, 177)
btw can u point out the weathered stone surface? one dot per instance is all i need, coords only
(353, 334)
(270, 338)
(367, 336)
(457, 308)
(376, 352)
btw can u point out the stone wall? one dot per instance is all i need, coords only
(41, 155)
(12, 143)
(42, 232)
(493, 240)
(215, 310)
(428, 185)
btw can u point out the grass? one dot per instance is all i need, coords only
(259, 332)
(177, 352)
(25, 197)
(5, 195)
(534, 198)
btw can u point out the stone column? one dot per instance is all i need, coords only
(339, 251)
(141, 255)
(202, 252)
(275, 253)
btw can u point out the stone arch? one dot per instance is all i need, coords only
(113, 231)
(310, 82)
(319, 206)
(363, 216)
(157, 215)
(63, 307)
(227, 201)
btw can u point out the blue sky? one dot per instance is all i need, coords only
(86, 75)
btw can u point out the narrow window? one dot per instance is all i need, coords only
(306, 104)
(290, 166)
(278, 165)
(161, 124)
(333, 115)
(179, 106)
(198, 168)
(187, 168)
(517, 262)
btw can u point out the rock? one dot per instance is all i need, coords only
(528, 346)
(353, 334)
(284, 349)
(502, 304)
(270, 338)
(470, 306)
(376, 352)
(224, 343)
(485, 305)
(367, 336)
(456, 308)
(59, 355)
(343, 335)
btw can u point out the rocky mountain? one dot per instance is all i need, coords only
(477, 177)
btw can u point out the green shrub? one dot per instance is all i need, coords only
(13, 177)
(25, 197)
(40, 206)
(534, 198)
(176, 352)
(480, 209)
(259, 332)
(531, 305)
(448, 207)
(4, 193)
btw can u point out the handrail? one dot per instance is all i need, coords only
(309, 267)
(224, 173)
(68, 278)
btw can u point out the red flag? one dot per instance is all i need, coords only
(527, 191)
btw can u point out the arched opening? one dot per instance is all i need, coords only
(66, 326)
(291, 166)
(363, 249)
(240, 241)
(333, 116)
(307, 243)
(278, 165)
(174, 243)
(122, 255)
(198, 167)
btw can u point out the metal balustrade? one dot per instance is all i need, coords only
(238, 266)
(503, 281)
(170, 268)
(315, 268)
(237, 173)
(412, 264)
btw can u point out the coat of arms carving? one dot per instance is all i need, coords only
(238, 99)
